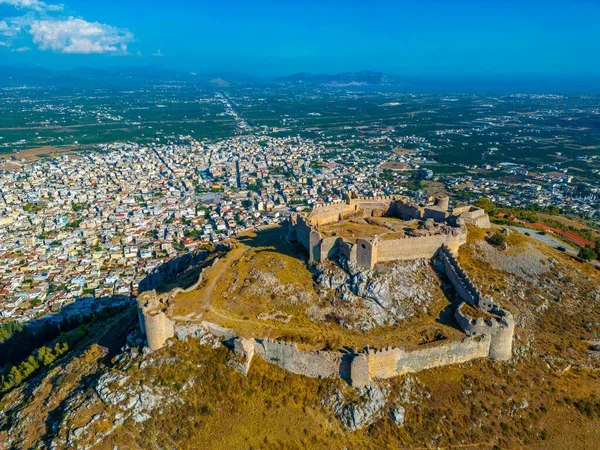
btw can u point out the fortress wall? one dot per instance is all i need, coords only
(461, 209)
(329, 213)
(411, 247)
(443, 203)
(501, 345)
(406, 211)
(374, 207)
(436, 214)
(392, 362)
(287, 356)
(500, 330)
(471, 215)
(348, 249)
(384, 363)
(360, 374)
(169, 270)
(309, 238)
(303, 233)
(329, 246)
(314, 245)
(454, 352)
(461, 282)
(481, 221)
(141, 321)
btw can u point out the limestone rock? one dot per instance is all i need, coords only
(397, 415)
(355, 415)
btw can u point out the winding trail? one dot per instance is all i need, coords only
(220, 268)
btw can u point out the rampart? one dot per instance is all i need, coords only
(315, 364)
(469, 215)
(499, 325)
(462, 283)
(391, 362)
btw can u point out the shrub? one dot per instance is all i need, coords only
(497, 240)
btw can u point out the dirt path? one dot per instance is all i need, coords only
(201, 300)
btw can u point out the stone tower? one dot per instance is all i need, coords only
(154, 323)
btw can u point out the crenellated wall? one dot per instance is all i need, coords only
(462, 283)
(419, 247)
(391, 362)
(499, 326)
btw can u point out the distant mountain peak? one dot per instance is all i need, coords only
(367, 77)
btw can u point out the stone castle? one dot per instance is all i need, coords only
(441, 227)
(488, 328)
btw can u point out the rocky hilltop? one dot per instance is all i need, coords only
(111, 392)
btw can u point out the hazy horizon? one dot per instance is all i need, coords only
(267, 38)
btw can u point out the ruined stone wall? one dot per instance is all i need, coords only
(169, 270)
(308, 237)
(302, 232)
(478, 218)
(419, 247)
(329, 213)
(461, 209)
(437, 214)
(375, 206)
(158, 329)
(406, 210)
(462, 283)
(470, 215)
(349, 250)
(329, 246)
(154, 323)
(391, 362)
(454, 352)
(320, 364)
(442, 202)
(153, 310)
(500, 328)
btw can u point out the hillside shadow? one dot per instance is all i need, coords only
(272, 240)
(180, 272)
(38, 332)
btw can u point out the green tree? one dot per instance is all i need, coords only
(586, 253)
(485, 204)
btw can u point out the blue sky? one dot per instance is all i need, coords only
(427, 37)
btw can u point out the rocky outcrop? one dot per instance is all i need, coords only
(354, 414)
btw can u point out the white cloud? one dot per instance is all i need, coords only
(36, 5)
(4, 44)
(158, 54)
(7, 30)
(74, 35)
(21, 49)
